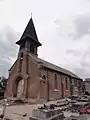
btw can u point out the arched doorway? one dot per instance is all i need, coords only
(19, 87)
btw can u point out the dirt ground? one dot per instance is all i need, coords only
(14, 111)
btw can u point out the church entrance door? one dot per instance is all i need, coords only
(19, 88)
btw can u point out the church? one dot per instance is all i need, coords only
(35, 78)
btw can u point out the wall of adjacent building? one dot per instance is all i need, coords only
(87, 84)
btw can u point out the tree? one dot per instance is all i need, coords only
(3, 83)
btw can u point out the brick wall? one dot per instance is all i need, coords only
(40, 83)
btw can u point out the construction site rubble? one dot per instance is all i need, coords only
(81, 117)
(47, 113)
(73, 106)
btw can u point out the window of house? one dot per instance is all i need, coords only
(66, 80)
(55, 79)
(32, 48)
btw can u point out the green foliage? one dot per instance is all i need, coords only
(3, 82)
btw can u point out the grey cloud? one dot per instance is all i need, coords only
(82, 25)
(8, 49)
(78, 60)
(79, 27)
(81, 65)
(85, 64)
(82, 72)
(57, 21)
(85, 54)
(74, 52)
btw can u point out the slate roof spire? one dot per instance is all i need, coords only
(29, 32)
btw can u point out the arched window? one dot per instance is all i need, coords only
(66, 81)
(21, 57)
(75, 82)
(44, 77)
(21, 60)
(22, 46)
(55, 81)
(70, 81)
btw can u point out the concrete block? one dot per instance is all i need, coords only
(47, 114)
(41, 113)
(55, 117)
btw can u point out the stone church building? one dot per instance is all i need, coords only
(32, 77)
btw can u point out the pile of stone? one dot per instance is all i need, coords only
(76, 103)
(47, 113)
(64, 105)
(80, 103)
(10, 102)
(81, 117)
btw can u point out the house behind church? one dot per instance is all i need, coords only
(32, 77)
(87, 84)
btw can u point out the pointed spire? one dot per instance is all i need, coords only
(29, 32)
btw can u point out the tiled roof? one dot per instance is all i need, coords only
(54, 67)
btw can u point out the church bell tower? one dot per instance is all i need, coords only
(28, 44)
(22, 69)
(29, 40)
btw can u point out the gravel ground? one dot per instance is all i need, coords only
(14, 111)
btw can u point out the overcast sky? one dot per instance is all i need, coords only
(63, 28)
